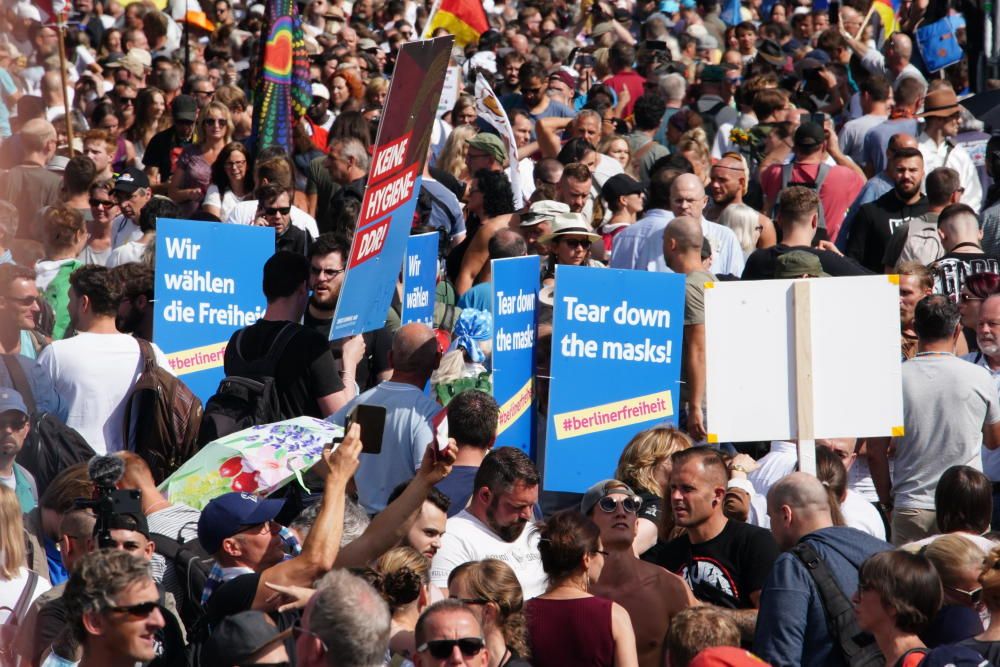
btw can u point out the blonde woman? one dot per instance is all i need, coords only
(452, 158)
(987, 643)
(645, 466)
(403, 580)
(491, 589)
(745, 223)
(694, 146)
(193, 174)
(18, 585)
(958, 562)
(616, 147)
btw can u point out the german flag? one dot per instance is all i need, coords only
(465, 19)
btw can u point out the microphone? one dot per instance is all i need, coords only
(106, 471)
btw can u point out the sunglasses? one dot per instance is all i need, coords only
(141, 610)
(14, 422)
(220, 122)
(23, 301)
(974, 596)
(630, 505)
(966, 298)
(441, 649)
(105, 203)
(127, 101)
(578, 243)
(274, 210)
(298, 630)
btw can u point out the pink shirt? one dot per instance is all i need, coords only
(837, 193)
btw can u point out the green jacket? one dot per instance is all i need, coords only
(57, 295)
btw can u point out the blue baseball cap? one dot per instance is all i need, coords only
(10, 399)
(231, 513)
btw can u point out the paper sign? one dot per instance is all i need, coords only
(488, 108)
(515, 299)
(420, 278)
(616, 360)
(203, 295)
(854, 338)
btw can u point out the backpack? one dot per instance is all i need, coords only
(922, 243)
(50, 446)
(710, 121)
(8, 629)
(249, 396)
(786, 180)
(856, 647)
(193, 565)
(162, 417)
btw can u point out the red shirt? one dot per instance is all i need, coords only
(635, 84)
(837, 193)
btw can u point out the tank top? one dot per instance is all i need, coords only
(570, 632)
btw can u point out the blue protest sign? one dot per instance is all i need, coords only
(515, 299)
(393, 186)
(616, 360)
(204, 293)
(420, 278)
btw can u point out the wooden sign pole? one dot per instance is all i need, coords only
(801, 300)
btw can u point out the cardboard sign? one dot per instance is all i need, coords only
(803, 359)
(515, 302)
(616, 360)
(392, 189)
(203, 295)
(420, 278)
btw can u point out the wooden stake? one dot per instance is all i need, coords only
(801, 304)
(868, 16)
(62, 79)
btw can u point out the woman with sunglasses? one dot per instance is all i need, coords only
(566, 624)
(958, 562)
(977, 287)
(103, 209)
(491, 590)
(569, 243)
(898, 595)
(193, 173)
(987, 643)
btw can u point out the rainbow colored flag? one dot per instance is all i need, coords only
(887, 11)
(464, 19)
(283, 91)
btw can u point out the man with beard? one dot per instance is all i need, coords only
(14, 428)
(496, 523)
(166, 146)
(132, 192)
(875, 222)
(362, 359)
(94, 370)
(135, 310)
(532, 98)
(988, 356)
(318, 118)
(727, 186)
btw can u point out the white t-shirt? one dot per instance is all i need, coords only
(225, 203)
(468, 539)
(10, 591)
(774, 466)
(861, 514)
(93, 373)
(124, 230)
(125, 253)
(243, 214)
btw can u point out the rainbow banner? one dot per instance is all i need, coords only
(283, 90)
(887, 11)
(464, 19)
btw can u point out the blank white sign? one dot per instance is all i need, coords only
(750, 356)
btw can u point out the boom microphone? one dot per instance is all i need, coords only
(105, 470)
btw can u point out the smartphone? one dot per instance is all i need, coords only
(834, 10)
(371, 418)
(818, 118)
(585, 60)
(656, 45)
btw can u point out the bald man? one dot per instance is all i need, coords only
(408, 429)
(895, 64)
(727, 186)
(688, 198)
(29, 185)
(792, 624)
(958, 227)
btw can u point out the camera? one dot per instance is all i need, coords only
(105, 472)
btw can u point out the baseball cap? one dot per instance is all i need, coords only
(131, 180)
(602, 29)
(565, 77)
(713, 74)
(620, 185)
(136, 61)
(236, 638)
(10, 399)
(798, 263)
(230, 513)
(707, 42)
(726, 656)
(367, 44)
(134, 521)
(184, 107)
(809, 134)
(320, 91)
(489, 143)
(542, 210)
(603, 489)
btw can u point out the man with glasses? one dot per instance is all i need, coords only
(14, 428)
(166, 146)
(448, 633)
(651, 595)
(274, 209)
(793, 627)
(533, 96)
(988, 357)
(345, 622)
(201, 89)
(132, 192)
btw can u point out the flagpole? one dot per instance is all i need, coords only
(430, 18)
(68, 116)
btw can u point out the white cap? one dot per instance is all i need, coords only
(319, 90)
(26, 10)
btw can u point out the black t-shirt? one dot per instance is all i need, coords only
(652, 506)
(989, 650)
(953, 268)
(377, 346)
(293, 240)
(874, 224)
(162, 152)
(725, 570)
(761, 263)
(305, 372)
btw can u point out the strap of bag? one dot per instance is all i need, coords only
(267, 365)
(20, 381)
(148, 356)
(23, 600)
(284, 337)
(786, 175)
(821, 175)
(719, 106)
(834, 600)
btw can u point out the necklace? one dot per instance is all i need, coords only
(158, 505)
(506, 657)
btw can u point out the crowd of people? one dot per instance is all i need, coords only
(773, 140)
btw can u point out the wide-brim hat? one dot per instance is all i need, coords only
(569, 224)
(942, 102)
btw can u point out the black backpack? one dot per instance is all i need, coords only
(50, 446)
(710, 121)
(857, 648)
(249, 396)
(193, 566)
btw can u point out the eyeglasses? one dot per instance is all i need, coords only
(473, 600)
(578, 243)
(203, 92)
(440, 649)
(974, 596)
(14, 421)
(127, 101)
(234, 165)
(735, 81)
(630, 505)
(23, 301)
(141, 610)
(259, 529)
(275, 210)
(102, 203)
(220, 122)
(966, 298)
(317, 271)
(603, 553)
(298, 630)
